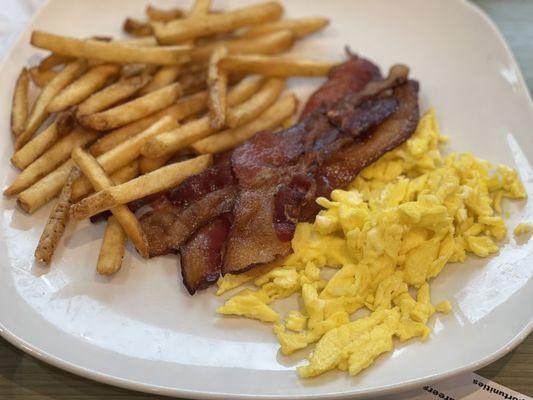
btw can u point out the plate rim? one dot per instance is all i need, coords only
(128, 384)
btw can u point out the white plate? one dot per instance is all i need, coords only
(141, 330)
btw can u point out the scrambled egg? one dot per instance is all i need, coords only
(393, 230)
(523, 227)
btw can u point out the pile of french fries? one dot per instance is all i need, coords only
(112, 115)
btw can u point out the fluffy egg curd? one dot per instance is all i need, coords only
(394, 229)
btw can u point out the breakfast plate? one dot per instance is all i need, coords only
(141, 330)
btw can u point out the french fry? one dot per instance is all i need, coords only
(165, 76)
(125, 152)
(66, 121)
(151, 164)
(157, 181)
(192, 83)
(133, 110)
(100, 181)
(255, 105)
(83, 87)
(270, 43)
(299, 27)
(53, 60)
(57, 221)
(275, 66)
(200, 7)
(147, 41)
(137, 28)
(20, 105)
(190, 28)
(44, 190)
(41, 192)
(53, 157)
(159, 15)
(270, 119)
(172, 141)
(35, 147)
(112, 249)
(41, 78)
(114, 52)
(113, 94)
(183, 108)
(39, 110)
(217, 86)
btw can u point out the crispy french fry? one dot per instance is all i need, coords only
(100, 181)
(300, 27)
(112, 249)
(269, 43)
(83, 87)
(41, 78)
(125, 152)
(137, 28)
(217, 86)
(159, 15)
(113, 94)
(205, 25)
(165, 76)
(147, 41)
(172, 141)
(192, 83)
(44, 190)
(157, 181)
(200, 7)
(276, 66)
(124, 174)
(255, 105)
(270, 119)
(183, 108)
(133, 110)
(57, 221)
(114, 52)
(39, 110)
(35, 147)
(53, 157)
(20, 105)
(151, 164)
(53, 60)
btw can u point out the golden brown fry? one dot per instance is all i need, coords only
(217, 86)
(20, 105)
(165, 76)
(83, 87)
(200, 7)
(114, 52)
(113, 94)
(270, 43)
(159, 15)
(57, 221)
(172, 141)
(205, 25)
(125, 152)
(137, 28)
(35, 147)
(44, 190)
(192, 83)
(299, 27)
(133, 110)
(157, 181)
(66, 121)
(112, 249)
(39, 110)
(270, 119)
(183, 108)
(147, 41)
(41, 78)
(151, 164)
(124, 174)
(100, 181)
(254, 106)
(47, 162)
(276, 66)
(53, 60)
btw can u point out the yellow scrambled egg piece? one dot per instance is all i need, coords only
(393, 230)
(523, 227)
